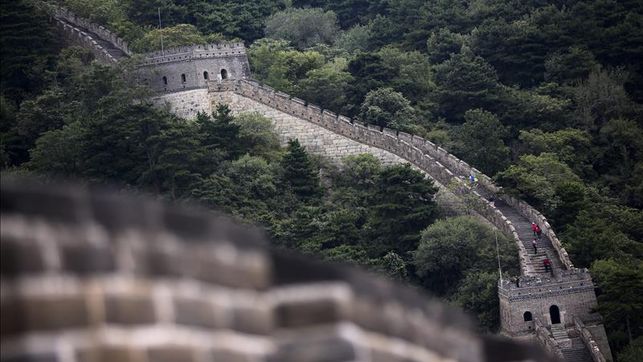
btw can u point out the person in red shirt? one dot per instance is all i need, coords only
(547, 264)
(533, 228)
(539, 232)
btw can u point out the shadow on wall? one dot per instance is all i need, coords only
(106, 276)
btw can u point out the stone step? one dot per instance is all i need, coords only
(559, 334)
(577, 353)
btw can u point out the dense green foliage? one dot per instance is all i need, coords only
(456, 259)
(544, 96)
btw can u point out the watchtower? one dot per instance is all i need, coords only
(192, 67)
(553, 301)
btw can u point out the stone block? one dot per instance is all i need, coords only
(85, 259)
(11, 322)
(129, 309)
(21, 315)
(172, 354)
(198, 313)
(110, 354)
(18, 258)
(61, 204)
(308, 313)
(228, 355)
(32, 357)
(255, 319)
(332, 349)
(385, 356)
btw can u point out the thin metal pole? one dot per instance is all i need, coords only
(160, 32)
(495, 233)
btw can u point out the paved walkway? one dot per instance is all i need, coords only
(526, 235)
(111, 49)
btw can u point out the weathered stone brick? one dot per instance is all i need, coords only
(32, 357)
(305, 313)
(172, 354)
(12, 320)
(160, 263)
(186, 222)
(117, 212)
(257, 320)
(87, 259)
(386, 356)
(315, 350)
(129, 309)
(22, 315)
(199, 313)
(56, 313)
(110, 354)
(31, 198)
(226, 355)
(17, 258)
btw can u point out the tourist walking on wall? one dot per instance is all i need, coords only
(539, 231)
(535, 245)
(533, 228)
(547, 264)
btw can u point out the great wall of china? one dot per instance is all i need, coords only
(556, 311)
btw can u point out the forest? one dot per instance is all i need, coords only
(546, 97)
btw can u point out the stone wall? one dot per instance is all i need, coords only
(590, 342)
(546, 340)
(191, 67)
(572, 291)
(87, 34)
(78, 36)
(316, 139)
(186, 104)
(97, 29)
(94, 275)
(413, 149)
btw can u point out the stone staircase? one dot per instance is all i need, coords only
(578, 352)
(571, 346)
(115, 52)
(559, 332)
(526, 235)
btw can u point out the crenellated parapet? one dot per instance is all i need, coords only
(590, 341)
(95, 275)
(194, 52)
(565, 282)
(107, 46)
(442, 166)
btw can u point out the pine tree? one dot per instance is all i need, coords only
(402, 207)
(219, 132)
(299, 172)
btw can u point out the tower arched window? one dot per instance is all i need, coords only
(164, 80)
(206, 76)
(224, 74)
(527, 316)
(183, 79)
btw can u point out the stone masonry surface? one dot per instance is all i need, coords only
(95, 275)
(189, 89)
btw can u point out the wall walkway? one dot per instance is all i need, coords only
(330, 134)
(425, 155)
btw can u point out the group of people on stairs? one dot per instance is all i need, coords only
(537, 235)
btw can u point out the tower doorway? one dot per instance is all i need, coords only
(554, 314)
